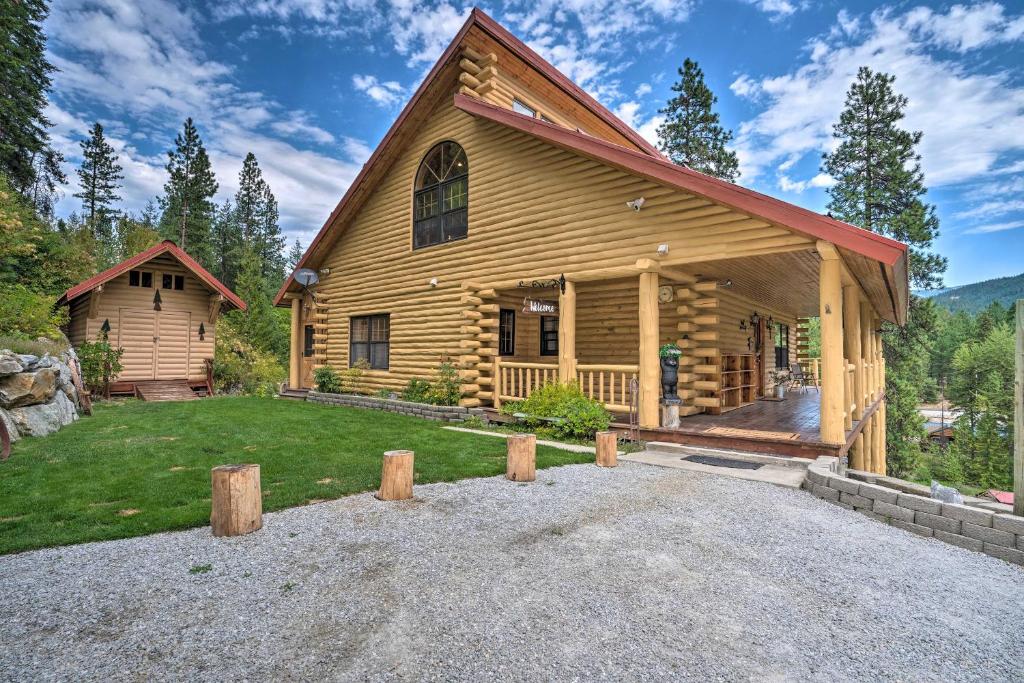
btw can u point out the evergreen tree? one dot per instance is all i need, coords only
(257, 217)
(879, 186)
(99, 177)
(136, 234)
(226, 244)
(26, 157)
(878, 171)
(691, 134)
(295, 255)
(188, 202)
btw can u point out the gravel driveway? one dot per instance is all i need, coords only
(637, 572)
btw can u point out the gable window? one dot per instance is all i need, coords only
(140, 278)
(441, 199)
(521, 108)
(507, 332)
(781, 346)
(549, 335)
(168, 281)
(369, 340)
(307, 341)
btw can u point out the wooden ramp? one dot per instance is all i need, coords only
(165, 390)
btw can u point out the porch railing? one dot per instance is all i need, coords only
(609, 384)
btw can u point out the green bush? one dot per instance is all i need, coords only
(446, 389)
(34, 347)
(352, 377)
(241, 368)
(581, 417)
(29, 315)
(101, 363)
(417, 391)
(326, 380)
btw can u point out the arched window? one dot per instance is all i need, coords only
(441, 199)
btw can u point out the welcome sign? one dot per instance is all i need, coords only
(539, 306)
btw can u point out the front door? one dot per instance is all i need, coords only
(172, 344)
(759, 357)
(136, 334)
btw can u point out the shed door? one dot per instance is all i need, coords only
(172, 345)
(136, 334)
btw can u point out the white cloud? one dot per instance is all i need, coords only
(776, 9)
(992, 208)
(642, 89)
(970, 119)
(145, 66)
(994, 227)
(966, 28)
(384, 93)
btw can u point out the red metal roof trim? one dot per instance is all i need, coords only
(166, 246)
(502, 35)
(864, 242)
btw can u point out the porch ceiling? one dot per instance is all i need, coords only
(785, 282)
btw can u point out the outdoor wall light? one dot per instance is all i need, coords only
(433, 282)
(756, 318)
(325, 271)
(662, 249)
(636, 203)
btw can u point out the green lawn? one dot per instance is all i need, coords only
(136, 468)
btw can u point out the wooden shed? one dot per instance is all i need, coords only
(161, 307)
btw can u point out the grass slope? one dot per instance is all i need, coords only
(976, 297)
(86, 482)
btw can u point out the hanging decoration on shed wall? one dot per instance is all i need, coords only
(105, 328)
(202, 332)
(156, 301)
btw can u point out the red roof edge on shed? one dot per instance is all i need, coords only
(480, 19)
(167, 246)
(864, 242)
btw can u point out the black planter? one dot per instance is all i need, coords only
(669, 379)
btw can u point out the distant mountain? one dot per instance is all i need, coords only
(977, 296)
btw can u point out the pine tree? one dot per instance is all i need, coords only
(295, 255)
(26, 157)
(188, 202)
(691, 134)
(257, 217)
(136, 234)
(880, 185)
(99, 177)
(226, 245)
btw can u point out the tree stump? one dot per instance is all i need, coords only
(396, 476)
(522, 457)
(607, 449)
(237, 506)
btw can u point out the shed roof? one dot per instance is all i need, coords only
(165, 247)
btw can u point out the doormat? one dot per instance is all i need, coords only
(752, 433)
(722, 462)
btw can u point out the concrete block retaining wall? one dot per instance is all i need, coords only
(424, 410)
(997, 534)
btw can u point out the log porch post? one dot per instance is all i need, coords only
(650, 366)
(852, 347)
(833, 366)
(869, 392)
(295, 355)
(567, 334)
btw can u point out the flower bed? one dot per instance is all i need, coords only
(391, 405)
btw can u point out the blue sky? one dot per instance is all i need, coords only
(310, 86)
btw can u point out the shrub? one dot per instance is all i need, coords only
(28, 315)
(326, 380)
(101, 364)
(352, 377)
(416, 391)
(446, 389)
(581, 417)
(35, 347)
(241, 368)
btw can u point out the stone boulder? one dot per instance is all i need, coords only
(12, 429)
(10, 363)
(44, 418)
(28, 388)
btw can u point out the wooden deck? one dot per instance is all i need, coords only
(789, 427)
(165, 390)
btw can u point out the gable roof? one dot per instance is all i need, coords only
(889, 253)
(165, 247)
(480, 20)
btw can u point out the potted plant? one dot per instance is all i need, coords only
(669, 355)
(778, 379)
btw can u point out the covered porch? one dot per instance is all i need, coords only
(736, 320)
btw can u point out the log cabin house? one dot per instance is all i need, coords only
(510, 223)
(161, 307)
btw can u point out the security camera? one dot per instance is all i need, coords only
(636, 203)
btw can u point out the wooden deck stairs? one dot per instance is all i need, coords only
(165, 390)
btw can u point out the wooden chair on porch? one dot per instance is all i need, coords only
(799, 378)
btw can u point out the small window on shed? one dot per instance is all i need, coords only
(140, 278)
(179, 282)
(166, 281)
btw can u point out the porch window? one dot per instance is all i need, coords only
(370, 340)
(307, 341)
(507, 332)
(549, 335)
(441, 197)
(781, 346)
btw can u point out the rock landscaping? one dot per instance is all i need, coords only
(392, 405)
(588, 573)
(998, 534)
(37, 395)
